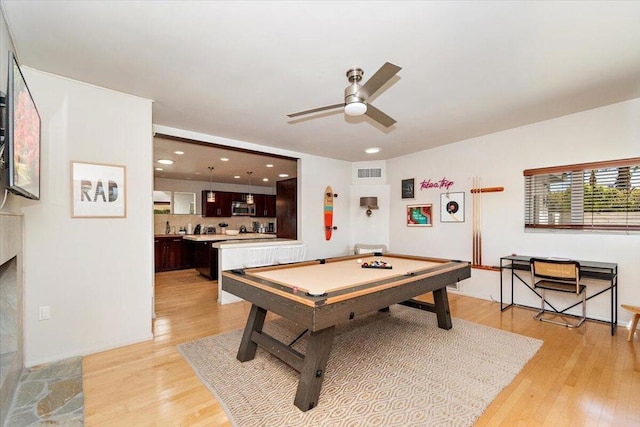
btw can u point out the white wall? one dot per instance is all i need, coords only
(96, 275)
(373, 229)
(611, 132)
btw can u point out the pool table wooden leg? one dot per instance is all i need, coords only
(255, 322)
(442, 308)
(313, 369)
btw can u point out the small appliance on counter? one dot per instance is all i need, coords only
(197, 229)
(271, 228)
(243, 229)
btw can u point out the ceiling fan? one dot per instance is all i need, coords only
(356, 95)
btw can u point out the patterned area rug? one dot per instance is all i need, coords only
(391, 369)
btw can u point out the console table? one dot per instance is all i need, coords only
(604, 271)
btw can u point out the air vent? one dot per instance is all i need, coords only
(370, 173)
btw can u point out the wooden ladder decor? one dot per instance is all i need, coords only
(476, 192)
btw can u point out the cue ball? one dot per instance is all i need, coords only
(359, 261)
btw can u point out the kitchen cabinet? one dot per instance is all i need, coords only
(189, 254)
(238, 197)
(206, 260)
(220, 208)
(169, 253)
(286, 215)
(265, 205)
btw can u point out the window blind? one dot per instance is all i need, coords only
(587, 196)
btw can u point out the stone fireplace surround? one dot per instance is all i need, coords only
(11, 309)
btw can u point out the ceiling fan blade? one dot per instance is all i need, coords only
(383, 75)
(316, 110)
(379, 116)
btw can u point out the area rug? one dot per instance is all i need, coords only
(385, 369)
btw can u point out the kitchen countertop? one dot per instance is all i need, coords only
(216, 237)
(254, 243)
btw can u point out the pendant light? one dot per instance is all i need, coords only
(249, 196)
(211, 196)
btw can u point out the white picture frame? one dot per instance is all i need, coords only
(452, 207)
(98, 190)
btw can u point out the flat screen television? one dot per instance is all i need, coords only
(21, 149)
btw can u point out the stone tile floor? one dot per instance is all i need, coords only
(49, 395)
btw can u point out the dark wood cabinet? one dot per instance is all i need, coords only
(287, 208)
(189, 254)
(238, 197)
(203, 258)
(265, 205)
(158, 252)
(220, 208)
(206, 259)
(169, 252)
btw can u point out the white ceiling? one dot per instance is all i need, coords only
(236, 69)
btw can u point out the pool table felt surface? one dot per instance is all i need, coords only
(318, 279)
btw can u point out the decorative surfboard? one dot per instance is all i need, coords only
(328, 213)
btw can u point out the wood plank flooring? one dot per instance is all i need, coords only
(579, 377)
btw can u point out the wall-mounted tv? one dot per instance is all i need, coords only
(21, 149)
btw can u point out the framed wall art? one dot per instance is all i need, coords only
(419, 215)
(452, 207)
(98, 190)
(408, 188)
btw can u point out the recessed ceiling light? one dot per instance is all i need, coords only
(159, 169)
(237, 177)
(372, 150)
(179, 152)
(196, 173)
(269, 165)
(224, 159)
(265, 179)
(165, 162)
(283, 175)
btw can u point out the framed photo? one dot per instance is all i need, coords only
(419, 216)
(98, 191)
(407, 188)
(452, 207)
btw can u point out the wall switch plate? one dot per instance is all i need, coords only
(44, 314)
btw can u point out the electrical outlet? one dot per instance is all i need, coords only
(45, 314)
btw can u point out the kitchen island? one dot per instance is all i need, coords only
(206, 257)
(240, 254)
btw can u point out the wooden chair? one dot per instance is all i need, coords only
(559, 276)
(636, 316)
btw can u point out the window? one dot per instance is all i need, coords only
(588, 196)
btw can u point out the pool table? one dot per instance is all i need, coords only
(322, 293)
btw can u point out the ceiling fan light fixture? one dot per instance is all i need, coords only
(356, 108)
(356, 96)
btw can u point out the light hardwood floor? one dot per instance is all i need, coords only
(578, 378)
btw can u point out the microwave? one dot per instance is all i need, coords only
(243, 208)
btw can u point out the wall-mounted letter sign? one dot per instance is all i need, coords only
(98, 191)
